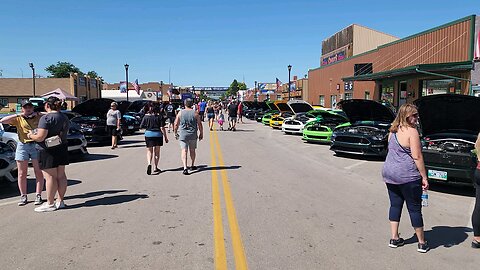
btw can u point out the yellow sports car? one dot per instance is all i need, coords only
(285, 111)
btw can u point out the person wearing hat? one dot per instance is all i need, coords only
(113, 123)
(26, 150)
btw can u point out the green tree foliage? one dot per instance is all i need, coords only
(233, 89)
(62, 70)
(92, 74)
(242, 86)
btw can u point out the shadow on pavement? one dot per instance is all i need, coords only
(94, 194)
(112, 200)
(460, 190)
(91, 157)
(216, 168)
(444, 236)
(361, 157)
(133, 146)
(8, 190)
(127, 142)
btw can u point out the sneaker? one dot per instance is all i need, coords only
(23, 200)
(149, 169)
(60, 205)
(38, 199)
(45, 207)
(394, 243)
(157, 170)
(475, 244)
(185, 172)
(423, 248)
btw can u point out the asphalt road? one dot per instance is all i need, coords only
(261, 200)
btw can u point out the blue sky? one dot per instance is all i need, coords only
(203, 43)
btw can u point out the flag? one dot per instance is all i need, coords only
(477, 47)
(136, 86)
(123, 87)
(279, 83)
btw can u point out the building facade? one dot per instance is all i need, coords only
(439, 60)
(160, 88)
(14, 90)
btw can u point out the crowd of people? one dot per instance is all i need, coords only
(43, 142)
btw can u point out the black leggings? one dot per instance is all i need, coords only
(411, 193)
(476, 210)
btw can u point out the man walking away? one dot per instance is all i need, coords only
(186, 126)
(202, 106)
(232, 115)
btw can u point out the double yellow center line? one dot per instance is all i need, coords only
(218, 235)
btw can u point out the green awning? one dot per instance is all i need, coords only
(412, 70)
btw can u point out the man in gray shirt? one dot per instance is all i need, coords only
(186, 125)
(113, 123)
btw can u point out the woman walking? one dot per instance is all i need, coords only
(51, 138)
(405, 176)
(113, 123)
(210, 115)
(154, 125)
(476, 210)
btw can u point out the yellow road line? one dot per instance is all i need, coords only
(237, 245)
(219, 240)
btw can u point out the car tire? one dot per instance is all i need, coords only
(13, 145)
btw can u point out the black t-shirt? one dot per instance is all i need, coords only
(153, 122)
(170, 109)
(232, 110)
(56, 123)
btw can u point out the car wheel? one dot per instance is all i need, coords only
(13, 145)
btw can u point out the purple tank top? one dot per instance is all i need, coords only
(399, 167)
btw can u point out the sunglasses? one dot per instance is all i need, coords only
(414, 115)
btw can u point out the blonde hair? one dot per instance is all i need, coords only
(405, 111)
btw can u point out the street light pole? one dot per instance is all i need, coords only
(289, 82)
(126, 78)
(161, 89)
(33, 77)
(256, 96)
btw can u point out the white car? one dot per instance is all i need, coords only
(304, 113)
(75, 138)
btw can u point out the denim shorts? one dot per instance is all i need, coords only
(26, 151)
(188, 144)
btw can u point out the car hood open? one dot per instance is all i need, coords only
(271, 106)
(366, 110)
(299, 106)
(97, 107)
(282, 106)
(449, 113)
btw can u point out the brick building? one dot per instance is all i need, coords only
(14, 90)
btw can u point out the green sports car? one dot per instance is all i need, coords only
(321, 130)
(266, 118)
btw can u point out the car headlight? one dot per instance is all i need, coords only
(379, 137)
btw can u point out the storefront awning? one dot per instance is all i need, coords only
(412, 70)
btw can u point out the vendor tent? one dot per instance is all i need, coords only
(60, 94)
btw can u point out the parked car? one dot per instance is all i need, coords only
(321, 129)
(449, 126)
(92, 119)
(8, 165)
(285, 111)
(77, 144)
(368, 133)
(296, 123)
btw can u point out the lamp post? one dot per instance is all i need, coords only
(33, 76)
(289, 82)
(126, 78)
(161, 88)
(256, 96)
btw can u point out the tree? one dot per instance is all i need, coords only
(62, 70)
(242, 86)
(92, 74)
(233, 89)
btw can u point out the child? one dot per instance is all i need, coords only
(221, 119)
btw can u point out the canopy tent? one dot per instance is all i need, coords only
(119, 96)
(60, 94)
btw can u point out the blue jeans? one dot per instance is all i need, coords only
(26, 151)
(411, 193)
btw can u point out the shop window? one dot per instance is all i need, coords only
(387, 93)
(333, 100)
(435, 87)
(367, 95)
(279, 97)
(4, 102)
(321, 99)
(348, 96)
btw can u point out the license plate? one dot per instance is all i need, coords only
(130, 127)
(276, 123)
(439, 175)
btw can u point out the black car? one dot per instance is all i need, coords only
(92, 119)
(267, 107)
(450, 127)
(254, 109)
(368, 133)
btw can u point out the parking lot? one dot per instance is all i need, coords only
(260, 199)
